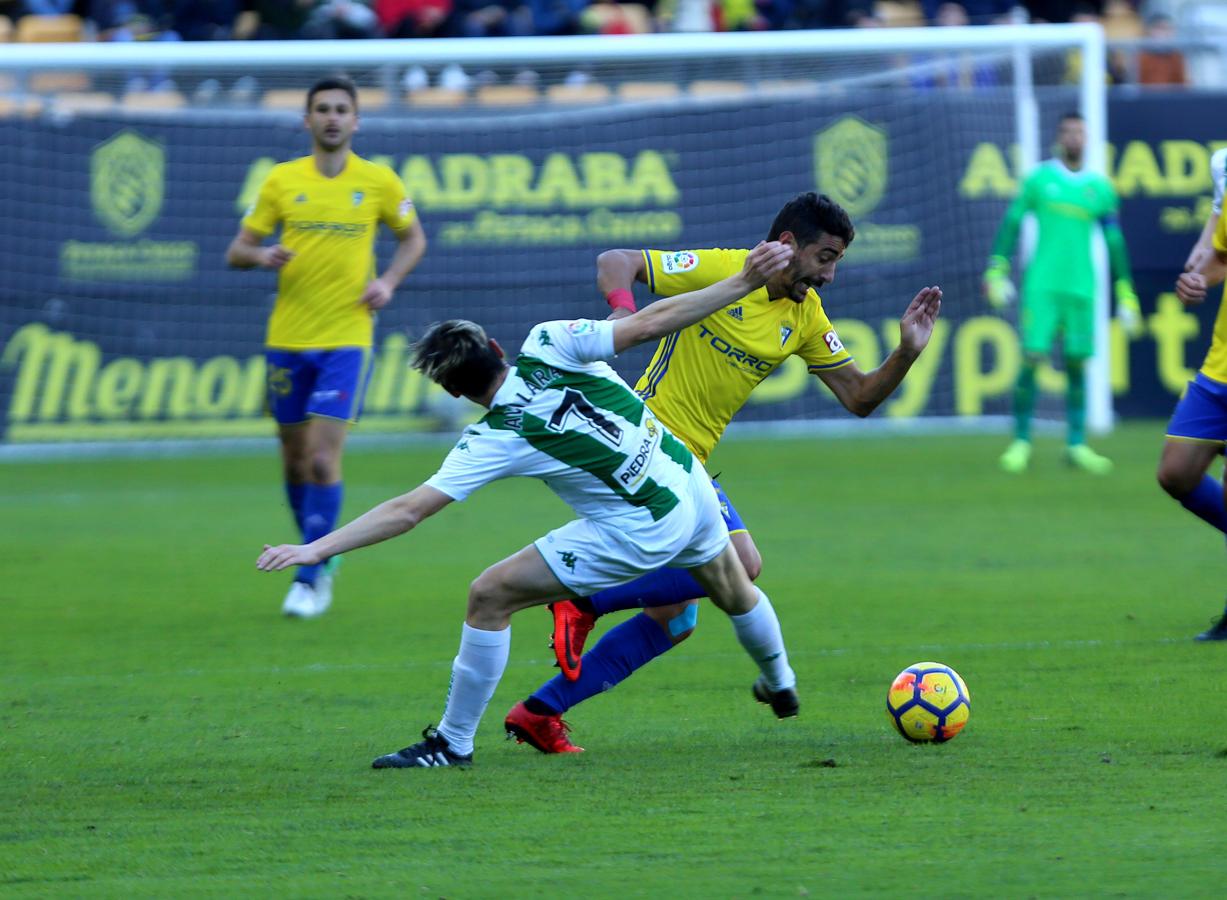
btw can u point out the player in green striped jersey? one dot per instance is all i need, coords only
(1059, 287)
(560, 413)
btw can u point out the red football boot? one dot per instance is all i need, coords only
(547, 733)
(571, 628)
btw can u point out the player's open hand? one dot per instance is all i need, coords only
(275, 256)
(1191, 288)
(285, 555)
(916, 326)
(767, 259)
(377, 295)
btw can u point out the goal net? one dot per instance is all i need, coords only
(127, 169)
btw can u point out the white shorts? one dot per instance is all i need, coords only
(589, 556)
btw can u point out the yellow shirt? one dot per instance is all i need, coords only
(701, 376)
(329, 224)
(1215, 365)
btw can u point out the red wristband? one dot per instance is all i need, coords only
(621, 298)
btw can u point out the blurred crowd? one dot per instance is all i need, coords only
(203, 20)
(1152, 22)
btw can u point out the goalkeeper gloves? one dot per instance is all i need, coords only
(997, 285)
(1128, 312)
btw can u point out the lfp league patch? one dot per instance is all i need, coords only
(679, 261)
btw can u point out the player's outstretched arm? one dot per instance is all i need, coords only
(247, 251)
(667, 316)
(387, 520)
(862, 392)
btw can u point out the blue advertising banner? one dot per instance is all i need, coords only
(120, 320)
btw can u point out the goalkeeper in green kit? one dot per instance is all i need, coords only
(1058, 293)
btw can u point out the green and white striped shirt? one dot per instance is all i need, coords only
(563, 415)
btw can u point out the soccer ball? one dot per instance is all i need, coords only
(928, 702)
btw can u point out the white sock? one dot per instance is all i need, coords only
(759, 632)
(476, 671)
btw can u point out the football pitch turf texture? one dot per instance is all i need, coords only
(164, 732)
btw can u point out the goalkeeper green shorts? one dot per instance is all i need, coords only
(1044, 314)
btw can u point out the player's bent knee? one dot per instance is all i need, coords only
(296, 472)
(683, 624)
(487, 595)
(739, 600)
(750, 558)
(1177, 480)
(676, 621)
(325, 468)
(296, 464)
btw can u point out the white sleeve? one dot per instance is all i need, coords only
(573, 344)
(1218, 174)
(477, 459)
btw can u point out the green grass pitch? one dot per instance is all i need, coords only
(165, 733)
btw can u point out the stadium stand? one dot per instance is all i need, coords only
(438, 97)
(153, 101)
(577, 93)
(507, 95)
(49, 29)
(647, 90)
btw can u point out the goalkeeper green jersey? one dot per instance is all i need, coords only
(1067, 205)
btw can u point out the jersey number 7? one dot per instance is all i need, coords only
(575, 402)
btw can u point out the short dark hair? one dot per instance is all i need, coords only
(809, 216)
(457, 354)
(1073, 114)
(335, 83)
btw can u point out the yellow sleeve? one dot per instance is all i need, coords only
(821, 347)
(1220, 234)
(673, 272)
(396, 210)
(263, 217)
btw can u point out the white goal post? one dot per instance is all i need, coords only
(119, 323)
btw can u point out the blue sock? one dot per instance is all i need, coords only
(295, 493)
(320, 507)
(660, 588)
(1206, 502)
(621, 651)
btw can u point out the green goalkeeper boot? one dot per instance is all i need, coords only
(1080, 456)
(1016, 458)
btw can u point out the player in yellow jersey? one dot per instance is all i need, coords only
(318, 343)
(1197, 432)
(696, 382)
